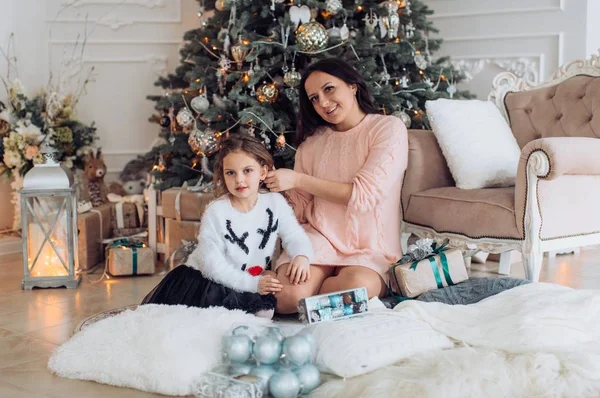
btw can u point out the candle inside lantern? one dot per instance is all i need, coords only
(48, 262)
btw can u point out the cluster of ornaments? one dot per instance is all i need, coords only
(281, 365)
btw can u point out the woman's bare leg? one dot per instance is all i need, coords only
(352, 277)
(288, 297)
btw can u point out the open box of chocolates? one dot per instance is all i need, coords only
(332, 306)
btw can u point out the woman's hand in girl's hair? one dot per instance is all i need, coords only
(281, 180)
(267, 284)
(298, 270)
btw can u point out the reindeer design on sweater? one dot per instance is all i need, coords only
(234, 248)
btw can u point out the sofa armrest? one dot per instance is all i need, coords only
(567, 155)
(427, 167)
(550, 158)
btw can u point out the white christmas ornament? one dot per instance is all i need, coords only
(344, 32)
(185, 118)
(200, 103)
(333, 6)
(299, 15)
(421, 61)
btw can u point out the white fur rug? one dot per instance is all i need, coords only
(477, 372)
(533, 340)
(156, 348)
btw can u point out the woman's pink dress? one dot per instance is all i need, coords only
(366, 232)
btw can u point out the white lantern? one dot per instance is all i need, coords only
(49, 225)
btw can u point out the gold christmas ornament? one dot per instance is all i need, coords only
(267, 93)
(280, 141)
(311, 36)
(223, 5)
(292, 78)
(239, 52)
(203, 143)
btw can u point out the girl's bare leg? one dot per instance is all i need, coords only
(288, 297)
(352, 277)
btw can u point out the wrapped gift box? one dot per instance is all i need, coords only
(184, 205)
(128, 258)
(94, 226)
(128, 215)
(177, 231)
(442, 269)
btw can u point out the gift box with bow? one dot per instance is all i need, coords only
(128, 212)
(425, 267)
(130, 257)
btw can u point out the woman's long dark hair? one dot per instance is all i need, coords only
(308, 119)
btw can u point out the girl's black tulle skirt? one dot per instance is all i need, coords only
(186, 285)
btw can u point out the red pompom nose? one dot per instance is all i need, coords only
(255, 270)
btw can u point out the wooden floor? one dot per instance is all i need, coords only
(34, 323)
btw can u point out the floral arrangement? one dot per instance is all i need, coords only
(28, 122)
(47, 116)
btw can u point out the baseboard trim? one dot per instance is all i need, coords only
(10, 245)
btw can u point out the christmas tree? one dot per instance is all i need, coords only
(240, 70)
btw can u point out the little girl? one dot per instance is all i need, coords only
(238, 232)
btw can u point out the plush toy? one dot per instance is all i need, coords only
(94, 170)
(132, 179)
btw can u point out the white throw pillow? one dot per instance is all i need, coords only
(358, 345)
(479, 147)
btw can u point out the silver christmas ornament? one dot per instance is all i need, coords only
(421, 61)
(334, 34)
(404, 117)
(267, 349)
(264, 372)
(333, 6)
(311, 36)
(196, 143)
(203, 143)
(200, 104)
(185, 118)
(309, 377)
(284, 384)
(297, 350)
(237, 348)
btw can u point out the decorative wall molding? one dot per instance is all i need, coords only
(158, 62)
(560, 6)
(503, 37)
(117, 42)
(527, 67)
(115, 21)
(141, 3)
(558, 36)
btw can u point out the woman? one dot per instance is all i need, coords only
(345, 186)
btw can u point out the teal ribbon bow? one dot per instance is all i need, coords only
(437, 251)
(133, 245)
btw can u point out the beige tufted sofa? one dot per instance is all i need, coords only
(556, 201)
